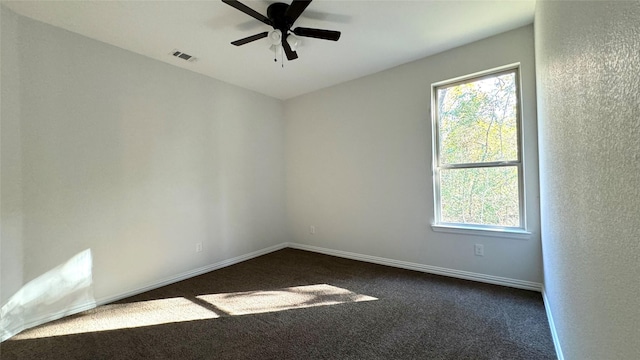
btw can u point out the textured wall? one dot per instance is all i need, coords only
(588, 68)
(359, 164)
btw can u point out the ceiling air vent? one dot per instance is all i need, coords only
(183, 56)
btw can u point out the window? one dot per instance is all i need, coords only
(478, 173)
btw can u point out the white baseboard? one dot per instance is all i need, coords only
(497, 280)
(191, 273)
(552, 326)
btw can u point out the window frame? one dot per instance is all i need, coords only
(437, 166)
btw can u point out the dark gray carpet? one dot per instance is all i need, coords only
(415, 316)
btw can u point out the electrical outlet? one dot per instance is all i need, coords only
(198, 247)
(312, 229)
(479, 249)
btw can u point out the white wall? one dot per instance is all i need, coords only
(10, 159)
(589, 105)
(359, 165)
(134, 159)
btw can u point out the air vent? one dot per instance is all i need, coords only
(179, 54)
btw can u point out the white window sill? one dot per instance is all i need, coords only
(481, 231)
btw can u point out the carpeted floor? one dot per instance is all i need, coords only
(294, 304)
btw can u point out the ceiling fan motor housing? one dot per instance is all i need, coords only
(276, 13)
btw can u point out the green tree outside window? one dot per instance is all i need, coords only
(478, 164)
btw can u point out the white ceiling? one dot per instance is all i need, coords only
(376, 35)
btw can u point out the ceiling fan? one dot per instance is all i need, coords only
(281, 17)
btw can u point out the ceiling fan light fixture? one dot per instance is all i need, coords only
(294, 41)
(275, 47)
(275, 36)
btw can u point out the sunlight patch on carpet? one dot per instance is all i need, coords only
(255, 302)
(182, 309)
(122, 316)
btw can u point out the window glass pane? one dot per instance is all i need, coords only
(486, 196)
(478, 121)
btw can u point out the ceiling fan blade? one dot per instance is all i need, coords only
(247, 10)
(295, 9)
(317, 33)
(250, 39)
(291, 55)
